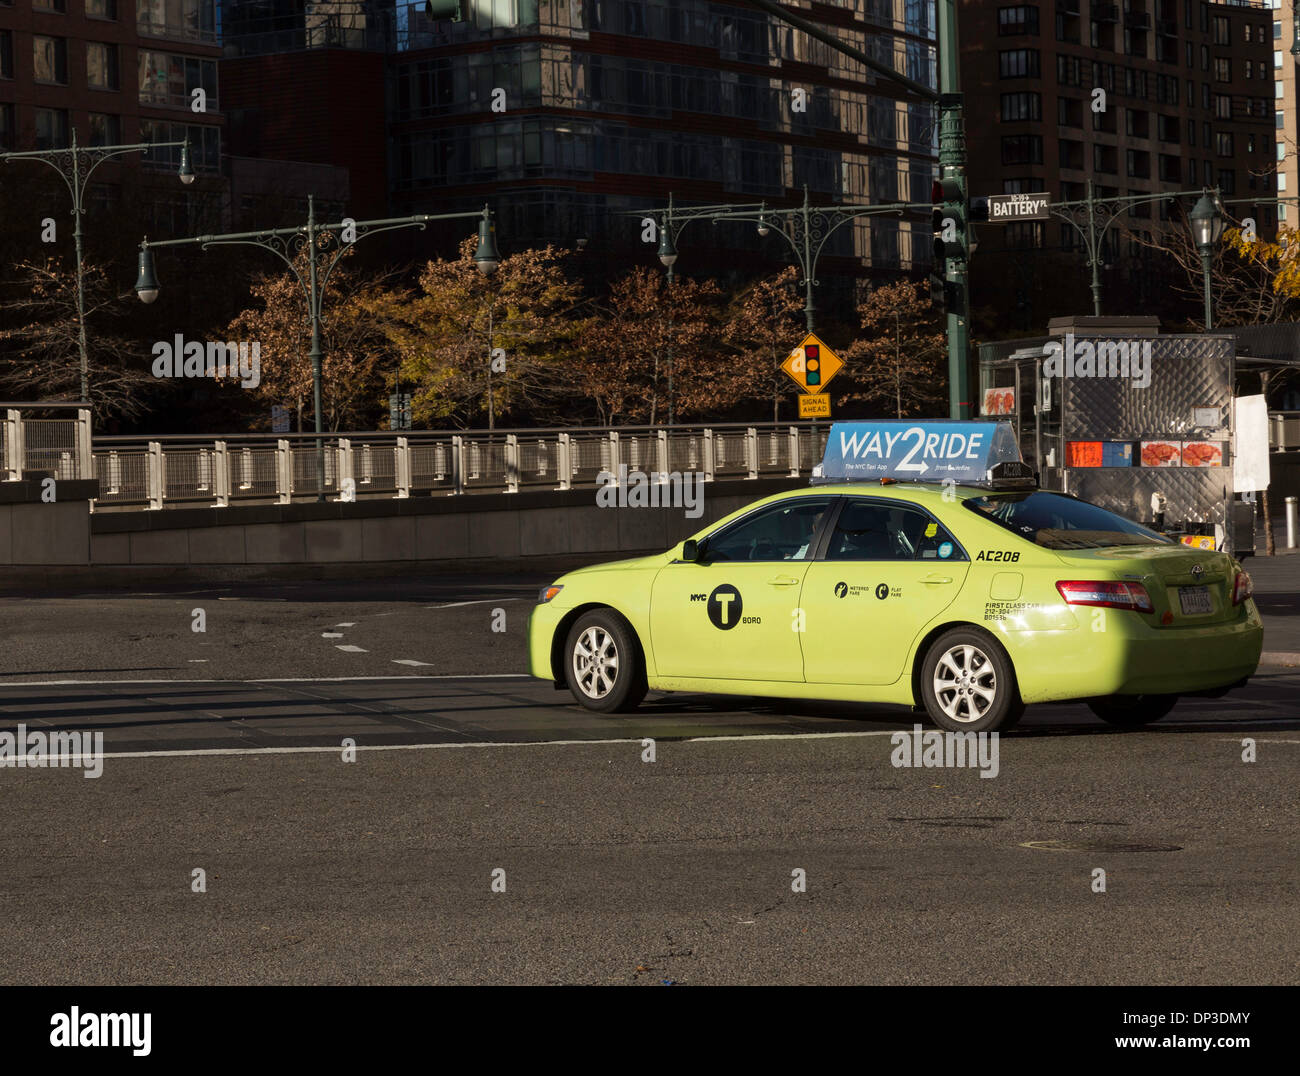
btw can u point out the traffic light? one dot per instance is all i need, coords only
(950, 223)
(812, 365)
(444, 9)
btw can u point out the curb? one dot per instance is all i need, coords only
(1280, 657)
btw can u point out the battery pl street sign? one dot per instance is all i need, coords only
(814, 405)
(812, 365)
(1009, 207)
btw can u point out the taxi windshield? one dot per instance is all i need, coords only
(1055, 521)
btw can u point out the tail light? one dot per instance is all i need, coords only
(1106, 594)
(1242, 588)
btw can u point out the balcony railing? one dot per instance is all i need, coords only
(270, 468)
(176, 32)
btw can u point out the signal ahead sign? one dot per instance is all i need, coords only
(1004, 208)
(812, 364)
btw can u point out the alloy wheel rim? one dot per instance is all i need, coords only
(595, 662)
(965, 683)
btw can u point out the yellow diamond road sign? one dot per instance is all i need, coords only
(812, 364)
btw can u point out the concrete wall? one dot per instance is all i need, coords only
(540, 530)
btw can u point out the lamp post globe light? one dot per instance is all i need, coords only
(667, 250)
(486, 257)
(146, 283)
(1206, 223)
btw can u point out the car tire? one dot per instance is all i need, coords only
(968, 683)
(1132, 711)
(602, 663)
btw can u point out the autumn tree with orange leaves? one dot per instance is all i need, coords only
(472, 346)
(899, 366)
(765, 322)
(649, 332)
(355, 350)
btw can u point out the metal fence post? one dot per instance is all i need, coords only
(283, 471)
(402, 468)
(458, 464)
(614, 459)
(204, 468)
(345, 474)
(708, 455)
(85, 454)
(662, 454)
(512, 463)
(14, 445)
(221, 474)
(156, 486)
(114, 473)
(751, 451)
(794, 451)
(246, 468)
(564, 460)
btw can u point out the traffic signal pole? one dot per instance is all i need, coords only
(952, 166)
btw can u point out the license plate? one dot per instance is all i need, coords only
(1195, 601)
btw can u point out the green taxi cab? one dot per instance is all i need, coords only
(968, 594)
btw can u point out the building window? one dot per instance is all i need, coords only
(1104, 159)
(1021, 106)
(1223, 143)
(1169, 169)
(105, 130)
(1222, 106)
(1167, 129)
(50, 57)
(1191, 132)
(1022, 149)
(1205, 17)
(1277, 31)
(6, 127)
(1017, 20)
(1071, 153)
(1205, 138)
(101, 67)
(1137, 123)
(1205, 95)
(6, 54)
(167, 79)
(1027, 185)
(1222, 35)
(1069, 112)
(1279, 120)
(1191, 56)
(1138, 164)
(1205, 57)
(60, 6)
(101, 9)
(51, 128)
(1222, 69)
(1277, 61)
(1227, 181)
(205, 145)
(1018, 63)
(1281, 151)
(190, 19)
(1069, 70)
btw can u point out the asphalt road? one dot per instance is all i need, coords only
(225, 755)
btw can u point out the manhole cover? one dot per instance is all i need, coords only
(1098, 846)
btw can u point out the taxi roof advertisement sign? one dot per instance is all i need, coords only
(929, 451)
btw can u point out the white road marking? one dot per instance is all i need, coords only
(269, 680)
(350, 649)
(331, 635)
(198, 661)
(440, 746)
(347, 624)
(408, 661)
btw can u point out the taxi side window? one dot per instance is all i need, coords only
(783, 531)
(873, 530)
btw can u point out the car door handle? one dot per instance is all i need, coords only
(934, 580)
(783, 581)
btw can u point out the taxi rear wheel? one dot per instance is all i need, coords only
(968, 683)
(1131, 711)
(603, 665)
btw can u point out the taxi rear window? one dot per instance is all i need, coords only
(1055, 521)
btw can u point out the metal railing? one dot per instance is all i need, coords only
(183, 470)
(59, 447)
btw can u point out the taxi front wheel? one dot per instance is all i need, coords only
(968, 683)
(603, 664)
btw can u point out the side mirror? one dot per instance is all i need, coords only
(690, 550)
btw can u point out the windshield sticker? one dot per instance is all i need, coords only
(945, 550)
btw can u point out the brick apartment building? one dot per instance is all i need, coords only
(1189, 103)
(118, 72)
